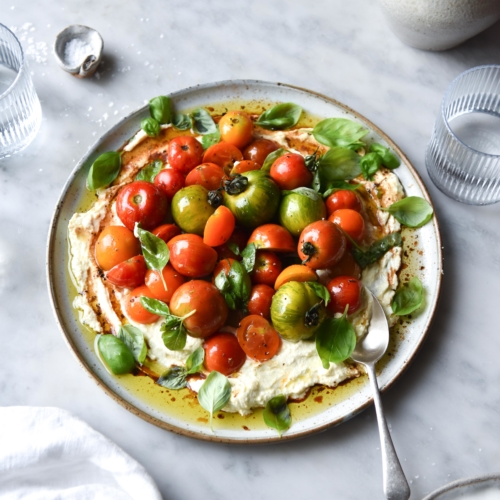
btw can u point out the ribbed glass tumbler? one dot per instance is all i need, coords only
(20, 111)
(463, 155)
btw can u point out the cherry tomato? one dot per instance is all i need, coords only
(259, 149)
(238, 238)
(260, 300)
(172, 279)
(272, 237)
(245, 166)
(236, 128)
(321, 244)
(128, 274)
(208, 175)
(114, 245)
(343, 199)
(224, 155)
(170, 181)
(219, 227)
(346, 266)
(223, 353)
(166, 232)
(141, 202)
(222, 265)
(206, 300)
(184, 153)
(267, 268)
(190, 257)
(133, 307)
(289, 172)
(258, 338)
(350, 221)
(344, 290)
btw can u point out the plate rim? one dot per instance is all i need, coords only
(459, 483)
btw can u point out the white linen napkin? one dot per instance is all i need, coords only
(48, 453)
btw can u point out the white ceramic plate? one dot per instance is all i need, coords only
(426, 256)
(474, 488)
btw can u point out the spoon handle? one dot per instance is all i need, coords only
(395, 484)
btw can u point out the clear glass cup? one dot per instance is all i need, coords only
(463, 155)
(20, 110)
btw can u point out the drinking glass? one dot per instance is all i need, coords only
(463, 155)
(20, 111)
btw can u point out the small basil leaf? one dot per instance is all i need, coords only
(412, 211)
(155, 250)
(339, 185)
(338, 164)
(280, 117)
(408, 298)
(195, 361)
(160, 109)
(248, 255)
(182, 122)
(240, 282)
(354, 146)
(231, 303)
(155, 306)
(271, 158)
(369, 164)
(338, 132)
(321, 291)
(210, 139)
(215, 393)
(376, 250)
(104, 170)
(116, 355)
(173, 334)
(134, 340)
(277, 414)
(203, 122)
(222, 282)
(234, 248)
(389, 160)
(174, 378)
(151, 127)
(149, 172)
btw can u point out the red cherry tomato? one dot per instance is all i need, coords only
(166, 232)
(236, 128)
(190, 257)
(238, 238)
(208, 175)
(245, 166)
(169, 181)
(272, 237)
(346, 266)
(223, 353)
(224, 155)
(350, 221)
(267, 268)
(184, 153)
(260, 300)
(259, 149)
(141, 202)
(258, 338)
(114, 245)
(172, 279)
(219, 227)
(128, 274)
(343, 199)
(344, 290)
(289, 172)
(133, 307)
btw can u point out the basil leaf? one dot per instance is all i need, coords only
(321, 291)
(376, 250)
(408, 298)
(210, 139)
(104, 170)
(248, 255)
(195, 361)
(114, 354)
(280, 117)
(338, 164)
(335, 340)
(133, 338)
(215, 393)
(277, 414)
(182, 122)
(271, 158)
(155, 250)
(173, 334)
(155, 306)
(203, 122)
(222, 282)
(149, 172)
(389, 160)
(174, 378)
(234, 248)
(240, 282)
(160, 109)
(338, 132)
(369, 164)
(412, 211)
(151, 127)
(354, 146)
(339, 185)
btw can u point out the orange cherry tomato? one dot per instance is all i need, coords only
(133, 307)
(222, 265)
(167, 231)
(128, 274)
(346, 266)
(350, 221)
(170, 181)
(245, 166)
(259, 149)
(261, 297)
(223, 353)
(295, 272)
(258, 338)
(343, 199)
(272, 237)
(267, 268)
(219, 227)
(236, 128)
(344, 290)
(224, 155)
(172, 279)
(184, 153)
(114, 245)
(208, 175)
(190, 257)
(289, 172)
(238, 238)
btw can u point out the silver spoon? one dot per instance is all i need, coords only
(368, 351)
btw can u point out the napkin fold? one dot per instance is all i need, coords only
(48, 453)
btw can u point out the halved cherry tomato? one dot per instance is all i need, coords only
(184, 153)
(219, 227)
(224, 155)
(344, 290)
(272, 237)
(245, 166)
(238, 238)
(190, 257)
(346, 266)
(208, 175)
(133, 307)
(289, 172)
(295, 272)
(343, 199)
(114, 245)
(166, 232)
(172, 279)
(222, 265)
(259, 149)
(261, 297)
(141, 202)
(267, 268)
(350, 221)
(170, 181)
(223, 353)
(236, 128)
(128, 274)
(258, 338)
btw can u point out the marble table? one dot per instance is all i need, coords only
(444, 412)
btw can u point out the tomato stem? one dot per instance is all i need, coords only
(308, 249)
(312, 316)
(236, 185)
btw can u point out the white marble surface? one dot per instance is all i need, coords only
(445, 410)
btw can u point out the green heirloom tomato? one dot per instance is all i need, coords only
(296, 311)
(115, 354)
(191, 210)
(253, 198)
(299, 208)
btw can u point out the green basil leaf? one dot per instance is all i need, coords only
(215, 393)
(240, 282)
(277, 414)
(149, 172)
(271, 158)
(173, 334)
(203, 122)
(412, 211)
(338, 164)
(376, 250)
(248, 255)
(155, 250)
(174, 378)
(230, 301)
(408, 298)
(182, 122)
(339, 185)
(280, 117)
(133, 338)
(155, 306)
(369, 164)
(210, 139)
(151, 127)
(338, 132)
(115, 354)
(321, 291)
(222, 282)
(354, 146)
(195, 361)
(160, 109)
(104, 170)
(234, 248)
(389, 160)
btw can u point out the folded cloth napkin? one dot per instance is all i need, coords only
(48, 453)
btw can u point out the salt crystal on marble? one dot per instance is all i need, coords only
(76, 51)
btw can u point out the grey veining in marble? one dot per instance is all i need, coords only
(444, 412)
